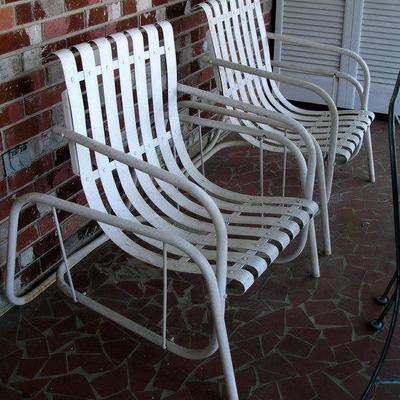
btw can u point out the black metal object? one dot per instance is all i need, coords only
(394, 300)
(383, 299)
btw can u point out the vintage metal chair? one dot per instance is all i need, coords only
(125, 139)
(240, 54)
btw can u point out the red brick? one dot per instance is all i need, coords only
(6, 18)
(159, 2)
(45, 224)
(127, 24)
(128, 7)
(61, 155)
(97, 15)
(23, 13)
(44, 99)
(28, 128)
(27, 216)
(43, 185)
(85, 37)
(62, 174)
(3, 188)
(52, 47)
(29, 274)
(38, 11)
(26, 175)
(111, 28)
(5, 206)
(62, 26)
(19, 87)
(175, 10)
(26, 237)
(50, 258)
(69, 189)
(148, 18)
(11, 113)
(72, 224)
(13, 41)
(80, 198)
(74, 4)
(45, 243)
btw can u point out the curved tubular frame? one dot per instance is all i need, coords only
(278, 120)
(299, 83)
(320, 71)
(335, 49)
(306, 180)
(219, 338)
(365, 92)
(215, 282)
(204, 199)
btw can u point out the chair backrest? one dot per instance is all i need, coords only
(237, 34)
(122, 91)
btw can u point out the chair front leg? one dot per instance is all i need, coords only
(370, 155)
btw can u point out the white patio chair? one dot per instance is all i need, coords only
(128, 143)
(240, 54)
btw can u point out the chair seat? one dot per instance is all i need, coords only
(258, 232)
(352, 126)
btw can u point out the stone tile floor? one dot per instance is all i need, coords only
(292, 337)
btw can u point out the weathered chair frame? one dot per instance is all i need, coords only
(240, 54)
(210, 199)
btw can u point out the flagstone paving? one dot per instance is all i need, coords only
(292, 337)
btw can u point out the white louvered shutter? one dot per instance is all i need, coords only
(370, 27)
(380, 48)
(316, 20)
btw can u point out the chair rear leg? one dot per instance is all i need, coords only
(324, 204)
(371, 167)
(226, 361)
(223, 343)
(314, 250)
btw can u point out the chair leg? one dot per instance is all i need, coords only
(323, 202)
(223, 344)
(226, 359)
(371, 167)
(314, 250)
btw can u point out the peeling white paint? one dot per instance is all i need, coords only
(9, 67)
(26, 257)
(161, 14)
(35, 34)
(31, 59)
(114, 11)
(52, 7)
(142, 5)
(54, 73)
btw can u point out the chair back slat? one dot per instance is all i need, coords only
(118, 88)
(237, 32)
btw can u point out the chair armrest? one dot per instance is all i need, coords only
(294, 82)
(256, 114)
(178, 181)
(334, 49)
(322, 72)
(122, 223)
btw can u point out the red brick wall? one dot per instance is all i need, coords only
(30, 88)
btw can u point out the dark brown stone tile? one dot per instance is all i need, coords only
(296, 388)
(292, 345)
(29, 367)
(8, 364)
(111, 382)
(73, 385)
(56, 365)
